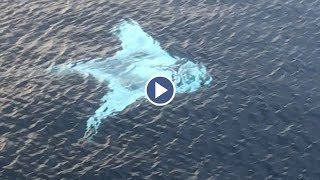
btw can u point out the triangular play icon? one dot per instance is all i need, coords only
(159, 90)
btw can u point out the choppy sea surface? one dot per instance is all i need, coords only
(259, 119)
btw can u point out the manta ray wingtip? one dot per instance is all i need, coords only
(90, 133)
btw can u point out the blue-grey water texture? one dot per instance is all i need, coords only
(259, 118)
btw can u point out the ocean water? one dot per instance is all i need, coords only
(259, 118)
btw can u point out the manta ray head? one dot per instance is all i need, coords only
(190, 77)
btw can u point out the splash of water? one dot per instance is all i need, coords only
(129, 69)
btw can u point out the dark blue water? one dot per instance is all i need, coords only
(258, 120)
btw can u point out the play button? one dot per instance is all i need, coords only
(160, 90)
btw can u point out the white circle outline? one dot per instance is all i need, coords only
(160, 104)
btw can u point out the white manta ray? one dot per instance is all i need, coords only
(129, 69)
